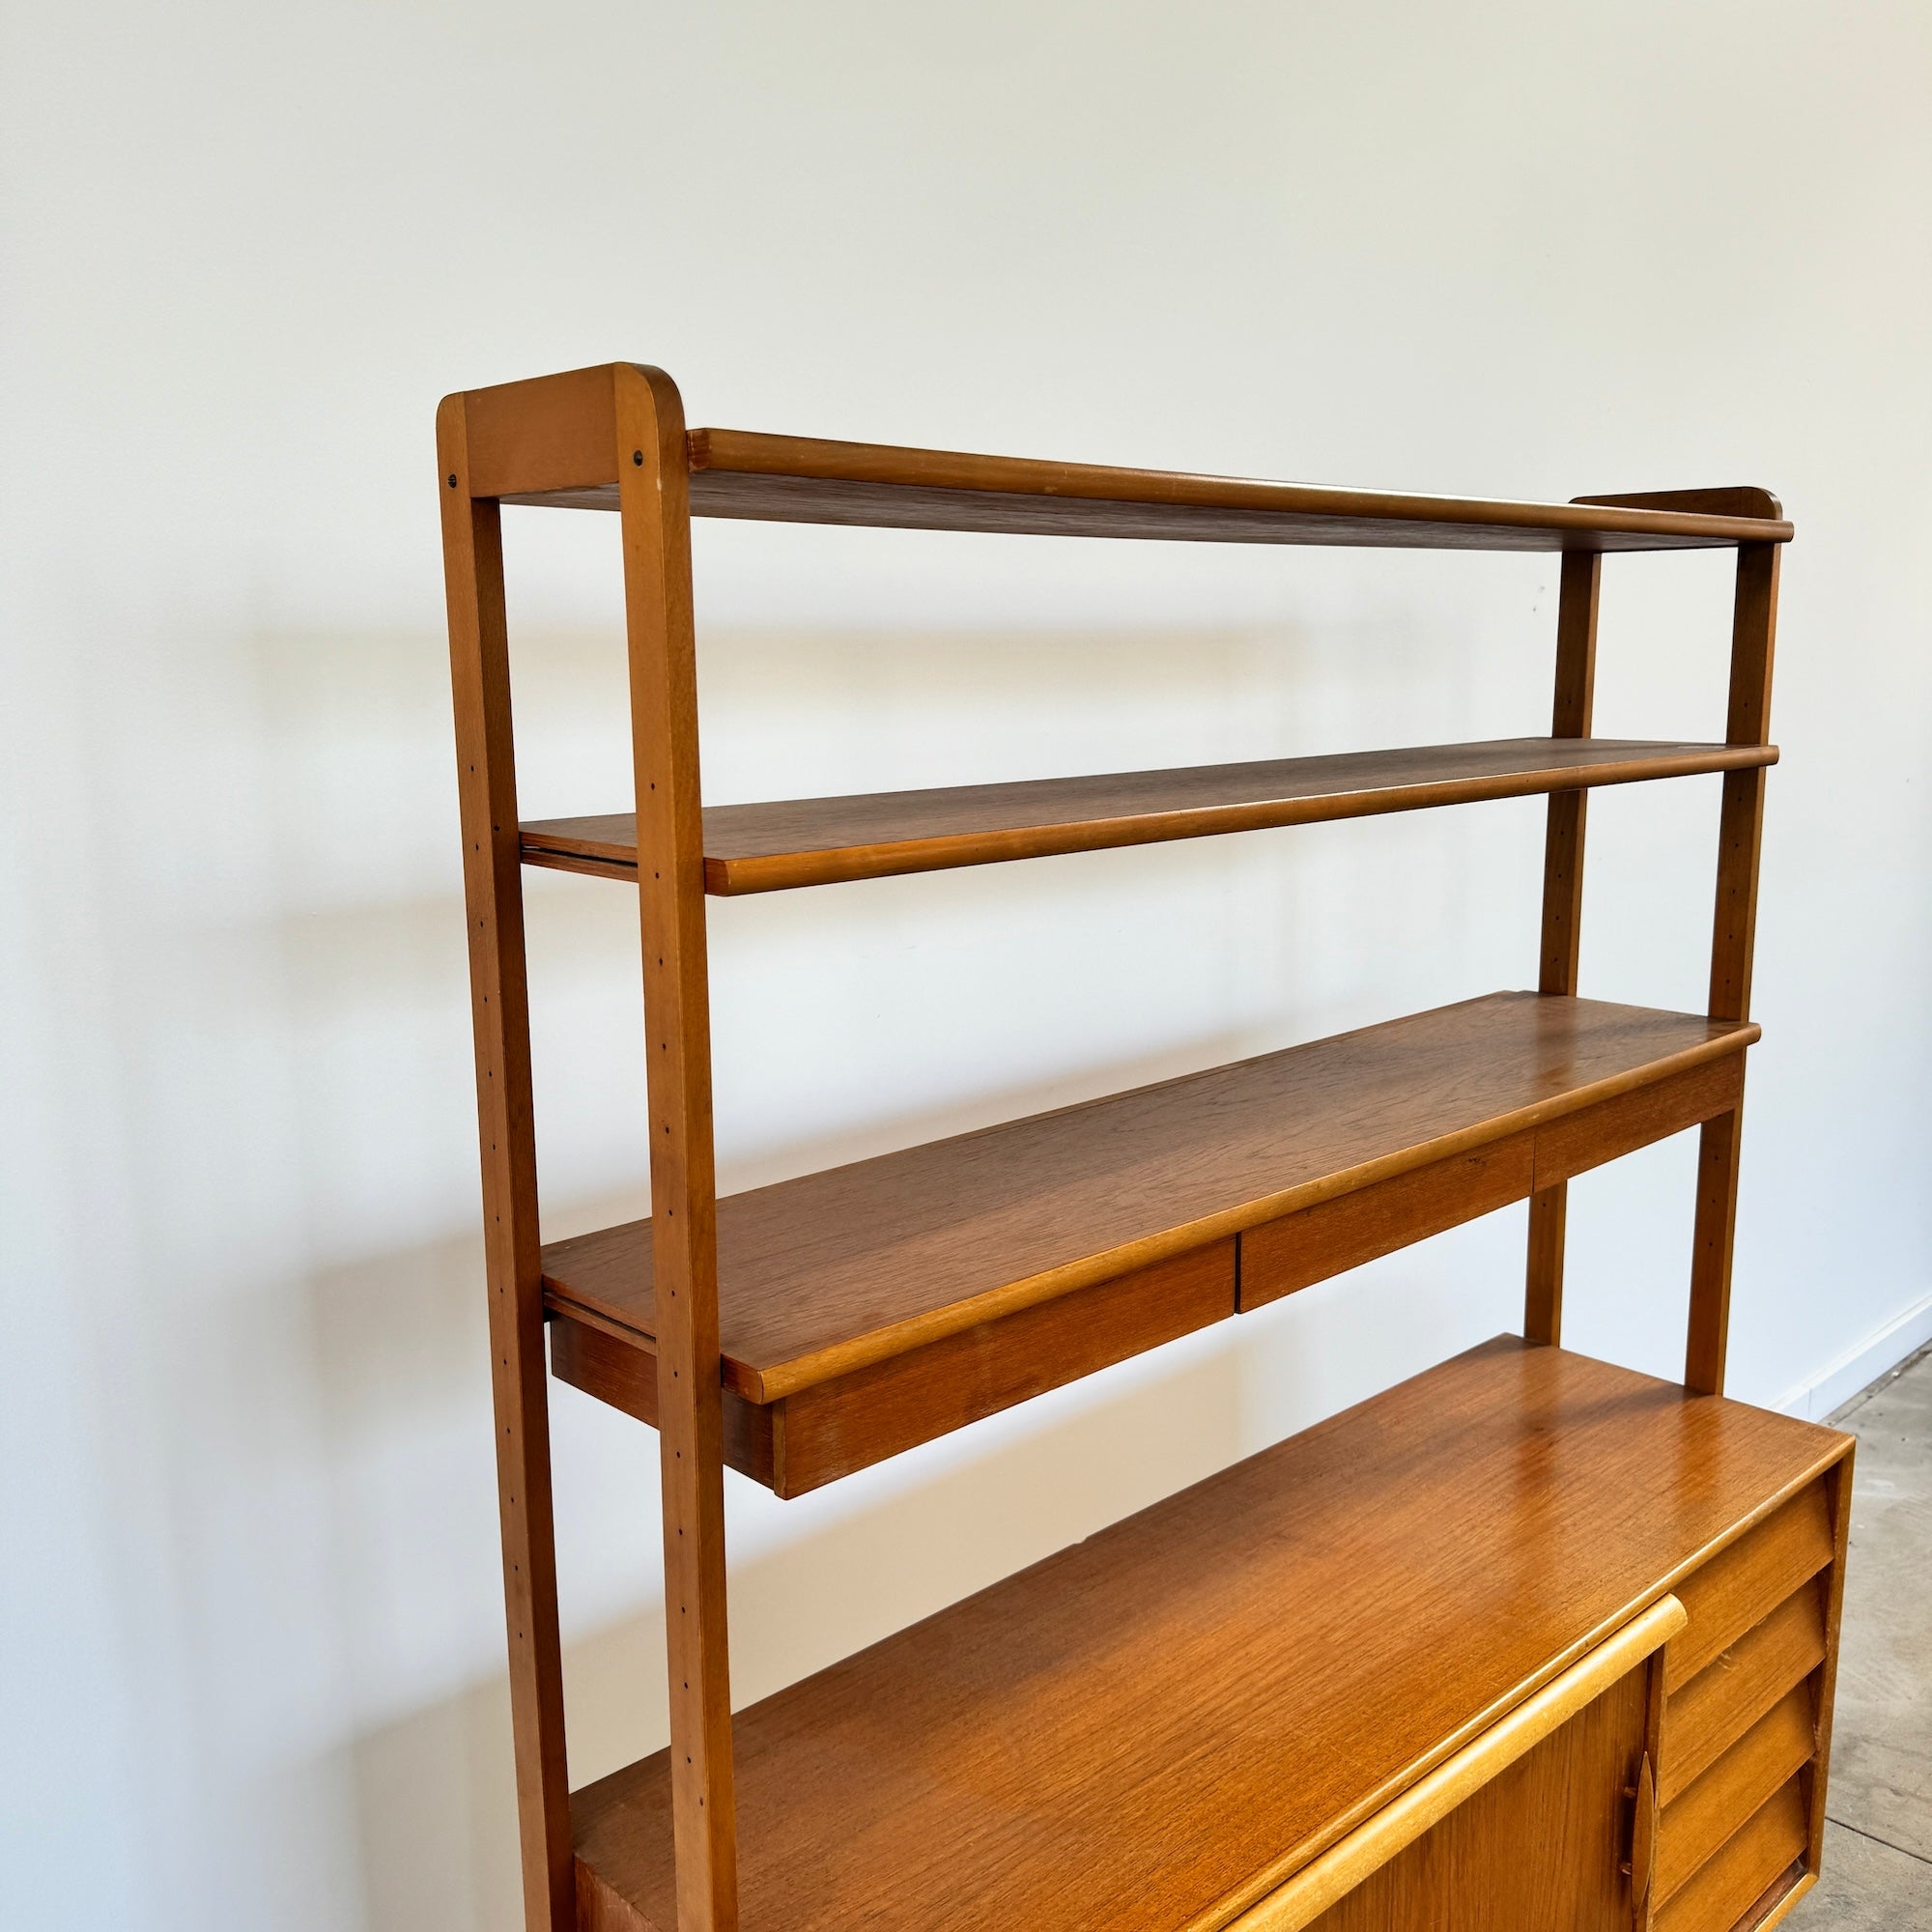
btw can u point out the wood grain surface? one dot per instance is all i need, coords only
(1733, 1789)
(479, 663)
(1727, 1892)
(813, 1437)
(1384, 1875)
(1285, 1256)
(1482, 1865)
(833, 1428)
(1839, 1487)
(1755, 1575)
(663, 651)
(1733, 940)
(824, 1274)
(1156, 1728)
(1717, 1706)
(1572, 705)
(816, 841)
(748, 474)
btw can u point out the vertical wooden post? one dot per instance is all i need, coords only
(1562, 906)
(654, 499)
(493, 892)
(1734, 927)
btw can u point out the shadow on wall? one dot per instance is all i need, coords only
(381, 1088)
(434, 1790)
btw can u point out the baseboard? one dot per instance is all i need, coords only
(1838, 1382)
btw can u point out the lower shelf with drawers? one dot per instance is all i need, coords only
(1528, 1642)
(872, 1307)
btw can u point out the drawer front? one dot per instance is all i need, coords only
(836, 1427)
(1308, 1246)
(1744, 1730)
(625, 1375)
(1758, 1860)
(1612, 1127)
(1739, 1686)
(1732, 1791)
(1302, 1248)
(1741, 1587)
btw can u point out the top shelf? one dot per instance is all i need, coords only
(795, 479)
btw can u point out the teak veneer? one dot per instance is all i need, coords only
(1433, 1119)
(1162, 1726)
(1526, 1642)
(762, 848)
(795, 479)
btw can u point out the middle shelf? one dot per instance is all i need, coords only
(874, 1306)
(816, 842)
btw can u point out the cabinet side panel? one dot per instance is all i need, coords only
(1839, 1487)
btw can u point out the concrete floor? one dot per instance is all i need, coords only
(1878, 1845)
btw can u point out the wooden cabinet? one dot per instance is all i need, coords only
(1526, 1642)
(1208, 1698)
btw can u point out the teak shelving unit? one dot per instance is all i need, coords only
(1529, 1640)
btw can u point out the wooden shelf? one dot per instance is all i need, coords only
(793, 479)
(756, 848)
(1409, 1669)
(1152, 1729)
(872, 1306)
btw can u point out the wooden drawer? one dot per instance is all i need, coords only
(1744, 1584)
(625, 1375)
(1742, 1745)
(1737, 1687)
(1297, 1251)
(1596, 1134)
(1733, 1890)
(1732, 1791)
(833, 1428)
(1303, 1248)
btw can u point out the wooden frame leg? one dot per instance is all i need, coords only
(1578, 600)
(493, 892)
(1542, 1288)
(1713, 1242)
(1733, 934)
(654, 504)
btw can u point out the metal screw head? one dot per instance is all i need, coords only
(638, 457)
(452, 479)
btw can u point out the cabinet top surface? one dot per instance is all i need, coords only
(1151, 1728)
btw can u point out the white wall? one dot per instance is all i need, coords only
(253, 1653)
